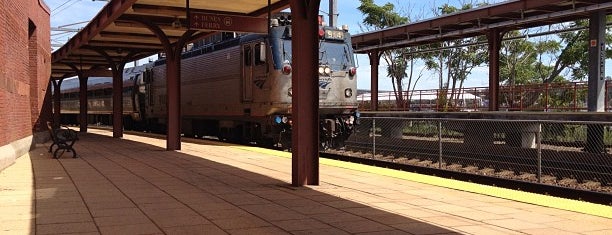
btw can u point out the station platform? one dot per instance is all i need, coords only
(133, 186)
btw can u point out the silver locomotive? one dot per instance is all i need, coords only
(239, 89)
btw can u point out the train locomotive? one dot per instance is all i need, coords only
(236, 89)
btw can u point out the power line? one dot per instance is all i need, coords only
(56, 13)
(56, 34)
(61, 5)
(76, 23)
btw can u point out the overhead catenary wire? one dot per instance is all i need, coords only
(66, 2)
(56, 13)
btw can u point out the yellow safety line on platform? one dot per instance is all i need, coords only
(516, 195)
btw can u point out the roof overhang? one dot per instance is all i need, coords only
(505, 16)
(119, 30)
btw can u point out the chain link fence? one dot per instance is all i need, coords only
(564, 153)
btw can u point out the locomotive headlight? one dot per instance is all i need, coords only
(348, 92)
(285, 119)
(324, 70)
(327, 71)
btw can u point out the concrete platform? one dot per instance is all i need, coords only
(134, 186)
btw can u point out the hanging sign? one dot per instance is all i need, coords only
(228, 23)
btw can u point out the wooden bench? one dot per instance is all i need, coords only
(64, 139)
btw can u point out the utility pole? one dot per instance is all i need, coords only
(333, 13)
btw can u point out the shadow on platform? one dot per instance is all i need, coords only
(130, 187)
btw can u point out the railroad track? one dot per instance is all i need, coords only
(560, 167)
(561, 174)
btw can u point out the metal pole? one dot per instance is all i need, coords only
(494, 39)
(333, 13)
(596, 96)
(373, 137)
(439, 144)
(539, 143)
(188, 13)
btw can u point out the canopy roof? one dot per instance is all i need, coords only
(504, 16)
(120, 30)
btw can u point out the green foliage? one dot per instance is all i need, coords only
(577, 134)
(459, 60)
(385, 16)
(575, 55)
(523, 61)
(380, 17)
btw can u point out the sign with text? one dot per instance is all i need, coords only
(230, 23)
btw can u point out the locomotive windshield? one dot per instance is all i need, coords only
(335, 48)
(335, 54)
(287, 50)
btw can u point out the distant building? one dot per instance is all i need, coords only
(25, 69)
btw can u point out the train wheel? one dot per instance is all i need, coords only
(325, 145)
(266, 142)
(285, 140)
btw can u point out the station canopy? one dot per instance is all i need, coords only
(503, 16)
(121, 30)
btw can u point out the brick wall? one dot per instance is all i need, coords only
(25, 67)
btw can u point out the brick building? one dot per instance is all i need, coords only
(25, 68)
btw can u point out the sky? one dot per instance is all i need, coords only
(65, 13)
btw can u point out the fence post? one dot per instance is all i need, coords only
(539, 143)
(546, 97)
(373, 138)
(440, 144)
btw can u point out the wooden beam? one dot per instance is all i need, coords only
(123, 46)
(137, 36)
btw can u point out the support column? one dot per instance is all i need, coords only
(494, 38)
(83, 103)
(374, 62)
(596, 92)
(305, 99)
(117, 69)
(57, 101)
(173, 82)
(82, 96)
(173, 104)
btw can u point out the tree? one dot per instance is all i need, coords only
(546, 61)
(573, 55)
(381, 17)
(460, 56)
(517, 58)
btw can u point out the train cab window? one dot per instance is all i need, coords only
(248, 55)
(260, 53)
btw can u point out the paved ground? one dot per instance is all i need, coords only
(133, 186)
